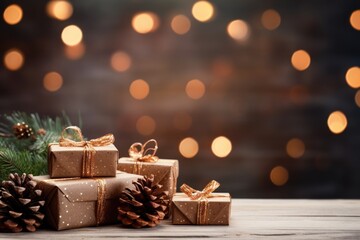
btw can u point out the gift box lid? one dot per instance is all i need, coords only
(161, 163)
(85, 189)
(58, 148)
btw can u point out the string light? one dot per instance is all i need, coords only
(238, 30)
(221, 146)
(60, 10)
(180, 24)
(195, 89)
(355, 19)
(139, 89)
(188, 147)
(300, 60)
(145, 125)
(13, 59)
(337, 122)
(279, 175)
(270, 19)
(13, 14)
(295, 148)
(120, 61)
(71, 35)
(145, 22)
(353, 77)
(75, 52)
(357, 98)
(53, 81)
(203, 11)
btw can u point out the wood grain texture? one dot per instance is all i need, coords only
(250, 219)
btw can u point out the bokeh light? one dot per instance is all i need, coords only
(238, 30)
(60, 10)
(13, 14)
(357, 98)
(337, 122)
(145, 125)
(139, 89)
(53, 81)
(188, 147)
(279, 175)
(270, 19)
(13, 59)
(75, 52)
(180, 24)
(120, 61)
(355, 19)
(145, 22)
(300, 60)
(203, 11)
(295, 148)
(71, 35)
(221, 146)
(195, 89)
(353, 77)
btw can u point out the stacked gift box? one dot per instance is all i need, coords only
(86, 180)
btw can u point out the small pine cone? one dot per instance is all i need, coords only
(22, 131)
(143, 206)
(21, 205)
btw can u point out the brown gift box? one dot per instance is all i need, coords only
(68, 161)
(185, 210)
(74, 202)
(166, 171)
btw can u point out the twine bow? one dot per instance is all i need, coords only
(202, 198)
(139, 152)
(89, 150)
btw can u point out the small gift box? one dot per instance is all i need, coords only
(201, 207)
(83, 202)
(95, 158)
(165, 171)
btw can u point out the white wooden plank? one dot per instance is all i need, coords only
(251, 218)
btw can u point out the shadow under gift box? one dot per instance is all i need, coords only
(185, 210)
(68, 161)
(73, 202)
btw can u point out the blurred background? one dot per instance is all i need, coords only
(262, 96)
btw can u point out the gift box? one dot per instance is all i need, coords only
(187, 211)
(83, 202)
(69, 162)
(166, 171)
(201, 207)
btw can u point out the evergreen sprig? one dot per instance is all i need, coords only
(28, 155)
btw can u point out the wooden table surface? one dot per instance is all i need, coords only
(250, 219)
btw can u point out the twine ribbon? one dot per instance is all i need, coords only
(89, 150)
(143, 153)
(202, 199)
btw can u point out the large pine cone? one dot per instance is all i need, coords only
(144, 206)
(22, 131)
(21, 205)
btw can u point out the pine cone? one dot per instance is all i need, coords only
(22, 130)
(143, 206)
(21, 205)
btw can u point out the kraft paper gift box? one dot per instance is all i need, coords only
(165, 171)
(187, 211)
(83, 202)
(68, 161)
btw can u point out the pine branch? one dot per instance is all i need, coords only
(28, 155)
